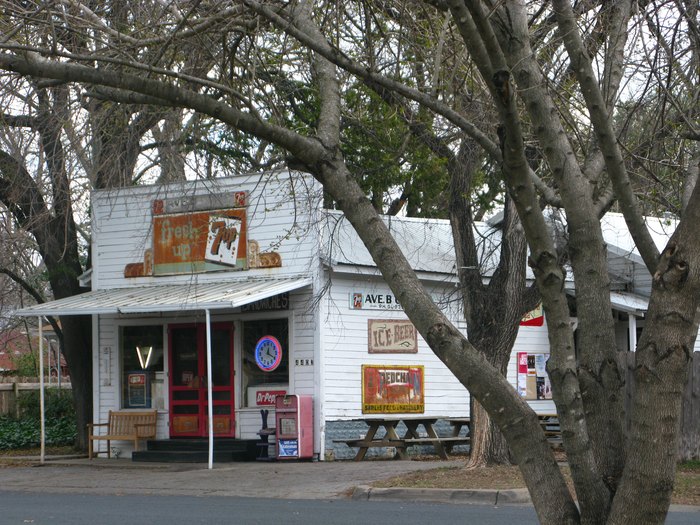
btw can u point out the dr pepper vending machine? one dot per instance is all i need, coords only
(294, 417)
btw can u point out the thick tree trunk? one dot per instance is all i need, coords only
(487, 446)
(492, 311)
(77, 349)
(661, 371)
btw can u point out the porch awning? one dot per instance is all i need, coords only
(629, 302)
(167, 298)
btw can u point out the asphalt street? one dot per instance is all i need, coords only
(117, 491)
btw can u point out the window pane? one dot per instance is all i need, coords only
(253, 375)
(142, 366)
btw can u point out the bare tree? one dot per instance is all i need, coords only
(617, 480)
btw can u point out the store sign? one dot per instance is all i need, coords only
(195, 242)
(276, 302)
(202, 233)
(391, 336)
(533, 317)
(374, 301)
(393, 389)
(267, 397)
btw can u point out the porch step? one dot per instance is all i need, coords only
(197, 450)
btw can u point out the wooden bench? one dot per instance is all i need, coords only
(126, 425)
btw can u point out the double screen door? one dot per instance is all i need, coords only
(188, 380)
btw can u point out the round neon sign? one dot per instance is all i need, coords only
(268, 353)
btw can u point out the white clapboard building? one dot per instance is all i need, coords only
(250, 275)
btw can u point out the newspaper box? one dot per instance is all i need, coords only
(294, 419)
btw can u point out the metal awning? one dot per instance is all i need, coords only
(629, 302)
(167, 298)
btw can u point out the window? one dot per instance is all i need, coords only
(142, 367)
(255, 374)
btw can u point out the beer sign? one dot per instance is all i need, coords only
(391, 336)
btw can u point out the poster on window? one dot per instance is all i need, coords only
(393, 389)
(136, 390)
(533, 380)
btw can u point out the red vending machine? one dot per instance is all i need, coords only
(294, 417)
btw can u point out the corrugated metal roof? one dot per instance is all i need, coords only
(167, 298)
(629, 302)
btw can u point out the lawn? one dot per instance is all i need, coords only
(686, 488)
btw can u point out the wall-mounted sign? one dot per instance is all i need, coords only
(373, 301)
(267, 397)
(198, 242)
(276, 302)
(391, 336)
(192, 203)
(268, 353)
(533, 380)
(203, 233)
(392, 389)
(533, 317)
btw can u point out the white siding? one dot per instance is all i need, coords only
(344, 341)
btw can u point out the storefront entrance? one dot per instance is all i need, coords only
(188, 380)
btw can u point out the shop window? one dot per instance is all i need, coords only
(142, 367)
(265, 359)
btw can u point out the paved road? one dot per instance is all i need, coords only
(73, 509)
(77, 509)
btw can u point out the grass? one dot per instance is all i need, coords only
(686, 489)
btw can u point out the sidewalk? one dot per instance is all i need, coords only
(286, 480)
(292, 480)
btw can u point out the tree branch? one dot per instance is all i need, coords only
(607, 140)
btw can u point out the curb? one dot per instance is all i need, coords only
(464, 496)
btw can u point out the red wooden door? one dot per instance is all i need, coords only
(188, 380)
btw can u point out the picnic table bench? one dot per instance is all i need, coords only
(412, 436)
(123, 425)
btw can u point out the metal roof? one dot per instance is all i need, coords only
(167, 297)
(629, 302)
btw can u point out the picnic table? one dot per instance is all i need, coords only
(412, 436)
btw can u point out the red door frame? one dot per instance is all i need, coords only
(195, 425)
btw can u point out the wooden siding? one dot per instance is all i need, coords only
(344, 347)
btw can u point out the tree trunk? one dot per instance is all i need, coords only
(487, 446)
(77, 349)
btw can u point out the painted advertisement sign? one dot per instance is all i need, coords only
(201, 233)
(393, 389)
(198, 242)
(391, 336)
(533, 317)
(360, 300)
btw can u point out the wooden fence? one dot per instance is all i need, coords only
(10, 391)
(689, 439)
